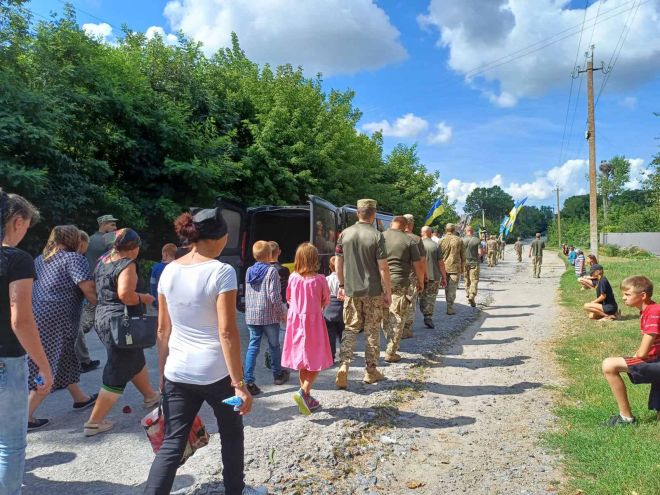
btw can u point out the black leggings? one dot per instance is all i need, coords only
(181, 403)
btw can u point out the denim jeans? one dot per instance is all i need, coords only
(273, 335)
(181, 403)
(13, 423)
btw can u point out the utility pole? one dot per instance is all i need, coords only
(558, 217)
(591, 136)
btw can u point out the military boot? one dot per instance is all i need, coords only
(392, 358)
(341, 380)
(472, 302)
(372, 375)
(450, 310)
(428, 322)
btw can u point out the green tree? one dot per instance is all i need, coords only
(494, 200)
(576, 207)
(614, 175)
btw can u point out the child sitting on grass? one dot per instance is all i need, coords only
(604, 307)
(644, 366)
(306, 345)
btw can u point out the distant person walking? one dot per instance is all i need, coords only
(87, 364)
(436, 277)
(63, 281)
(18, 335)
(413, 288)
(453, 256)
(364, 283)
(472, 247)
(518, 248)
(502, 247)
(334, 312)
(402, 257)
(536, 253)
(493, 246)
(168, 254)
(100, 242)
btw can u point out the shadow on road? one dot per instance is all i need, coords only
(474, 390)
(474, 364)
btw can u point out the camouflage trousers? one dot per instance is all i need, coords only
(394, 318)
(492, 259)
(471, 280)
(428, 297)
(538, 261)
(362, 312)
(413, 293)
(519, 256)
(450, 290)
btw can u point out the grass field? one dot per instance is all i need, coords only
(599, 460)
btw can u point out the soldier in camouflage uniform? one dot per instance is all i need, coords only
(453, 256)
(364, 284)
(502, 248)
(492, 251)
(472, 247)
(402, 256)
(435, 274)
(413, 292)
(518, 248)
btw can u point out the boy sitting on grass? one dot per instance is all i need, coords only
(644, 366)
(604, 307)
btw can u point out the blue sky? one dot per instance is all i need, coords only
(410, 64)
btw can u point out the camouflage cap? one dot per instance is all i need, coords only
(366, 203)
(105, 219)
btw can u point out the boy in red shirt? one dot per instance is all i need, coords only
(644, 367)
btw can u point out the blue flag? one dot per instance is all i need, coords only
(436, 210)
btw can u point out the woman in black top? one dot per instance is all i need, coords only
(116, 286)
(18, 335)
(604, 306)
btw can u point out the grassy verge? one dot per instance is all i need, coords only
(603, 461)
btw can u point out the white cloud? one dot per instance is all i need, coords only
(407, 126)
(102, 31)
(489, 32)
(638, 172)
(629, 102)
(329, 36)
(458, 191)
(168, 38)
(442, 135)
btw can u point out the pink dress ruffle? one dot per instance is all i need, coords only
(306, 344)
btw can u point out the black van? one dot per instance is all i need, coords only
(318, 222)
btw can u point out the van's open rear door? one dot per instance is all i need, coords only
(235, 214)
(324, 225)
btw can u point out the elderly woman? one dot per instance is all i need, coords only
(200, 352)
(18, 335)
(63, 280)
(116, 286)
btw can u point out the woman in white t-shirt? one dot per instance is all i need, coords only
(200, 352)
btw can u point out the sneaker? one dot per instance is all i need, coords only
(87, 367)
(341, 380)
(255, 490)
(37, 423)
(79, 406)
(392, 358)
(151, 402)
(92, 429)
(300, 399)
(253, 389)
(617, 420)
(428, 322)
(312, 403)
(282, 377)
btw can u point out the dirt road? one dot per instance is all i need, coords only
(461, 417)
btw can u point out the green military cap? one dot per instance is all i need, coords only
(106, 218)
(366, 203)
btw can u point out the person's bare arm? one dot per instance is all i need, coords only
(645, 346)
(384, 269)
(443, 273)
(164, 332)
(230, 341)
(25, 328)
(599, 299)
(126, 284)
(88, 288)
(420, 268)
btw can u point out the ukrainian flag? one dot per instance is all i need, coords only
(513, 214)
(435, 211)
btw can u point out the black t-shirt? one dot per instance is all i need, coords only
(18, 266)
(605, 288)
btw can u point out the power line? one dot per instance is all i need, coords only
(65, 2)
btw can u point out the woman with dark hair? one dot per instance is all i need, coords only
(199, 351)
(18, 335)
(63, 281)
(116, 287)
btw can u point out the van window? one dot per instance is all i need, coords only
(233, 219)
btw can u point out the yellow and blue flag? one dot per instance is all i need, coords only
(513, 215)
(436, 210)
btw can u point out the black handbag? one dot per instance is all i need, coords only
(133, 332)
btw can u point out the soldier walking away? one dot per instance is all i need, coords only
(435, 274)
(453, 256)
(402, 258)
(472, 247)
(502, 248)
(536, 251)
(492, 251)
(413, 292)
(518, 248)
(364, 283)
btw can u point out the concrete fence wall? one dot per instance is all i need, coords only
(649, 241)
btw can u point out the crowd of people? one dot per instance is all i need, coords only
(376, 281)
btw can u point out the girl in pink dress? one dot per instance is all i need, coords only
(306, 346)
